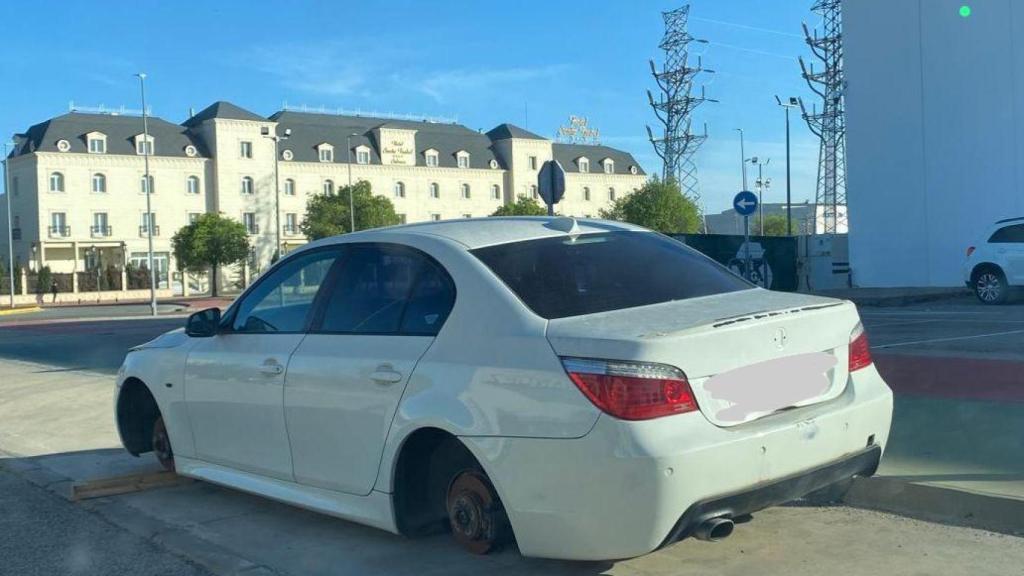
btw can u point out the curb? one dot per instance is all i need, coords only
(939, 504)
(25, 310)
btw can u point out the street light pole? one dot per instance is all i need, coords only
(277, 186)
(743, 159)
(793, 103)
(10, 229)
(761, 185)
(351, 203)
(149, 191)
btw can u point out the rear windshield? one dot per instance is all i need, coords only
(564, 276)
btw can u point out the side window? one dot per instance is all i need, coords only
(282, 301)
(380, 286)
(1008, 235)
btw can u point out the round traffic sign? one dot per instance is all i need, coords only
(745, 203)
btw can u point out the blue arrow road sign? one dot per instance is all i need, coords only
(745, 203)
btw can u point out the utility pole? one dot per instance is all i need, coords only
(829, 125)
(793, 103)
(762, 183)
(676, 102)
(10, 229)
(743, 159)
(146, 145)
(351, 202)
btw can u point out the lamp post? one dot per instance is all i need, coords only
(793, 103)
(265, 131)
(149, 191)
(761, 183)
(743, 158)
(10, 229)
(351, 203)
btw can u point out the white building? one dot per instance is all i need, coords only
(79, 196)
(934, 117)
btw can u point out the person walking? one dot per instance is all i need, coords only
(53, 290)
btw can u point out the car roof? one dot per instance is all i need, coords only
(1006, 220)
(479, 232)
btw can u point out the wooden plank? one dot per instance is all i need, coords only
(100, 487)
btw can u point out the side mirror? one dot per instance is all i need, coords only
(203, 324)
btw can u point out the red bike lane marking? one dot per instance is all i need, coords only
(953, 377)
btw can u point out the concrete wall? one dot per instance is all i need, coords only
(933, 121)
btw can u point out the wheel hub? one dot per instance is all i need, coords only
(473, 512)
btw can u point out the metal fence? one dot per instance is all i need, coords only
(773, 259)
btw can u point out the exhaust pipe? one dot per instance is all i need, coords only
(714, 529)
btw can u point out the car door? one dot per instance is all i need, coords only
(234, 381)
(381, 313)
(1012, 249)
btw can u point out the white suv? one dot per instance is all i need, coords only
(997, 263)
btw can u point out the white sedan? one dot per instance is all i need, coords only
(590, 389)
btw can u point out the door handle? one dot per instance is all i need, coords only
(271, 367)
(385, 374)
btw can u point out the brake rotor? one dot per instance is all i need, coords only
(474, 513)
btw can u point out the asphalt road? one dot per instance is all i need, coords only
(44, 534)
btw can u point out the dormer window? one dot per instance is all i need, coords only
(462, 159)
(583, 164)
(362, 155)
(325, 152)
(97, 142)
(143, 145)
(609, 166)
(431, 158)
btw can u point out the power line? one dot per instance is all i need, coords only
(748, 27)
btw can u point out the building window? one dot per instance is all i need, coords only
(609, 167)
(533, 191)
(97, 145)
(99, 183)
(14, 185)
(362, 156)
(192, 185)
(435, 190)
(465, 192)
(56, 182)
(495, 192)
(193, 217)
(144, 147)
(401, 218)
(100, 226)
(247, 188)
(431, 158)
(245, 149)
(146, 224)
(326, 154)
(291, 224)
(289, 187)
(435, 217)
(328, 187)
(611, 194)
(249, 219)
(586, 193)
(399, 190)
(146, 185)
(463, 160)
(59, 224)
(533, 162)
(584, 165)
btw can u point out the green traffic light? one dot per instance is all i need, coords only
(965, 11)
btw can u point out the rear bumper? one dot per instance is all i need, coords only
(864, 463)
(627, 488)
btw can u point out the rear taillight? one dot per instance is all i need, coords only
(632, 390)
(860, 350)
(970, 250)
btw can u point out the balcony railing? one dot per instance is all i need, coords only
(16, 233)
(252, 229)
(290, 230)
(144, 231)
(101, 231)
(60, 231)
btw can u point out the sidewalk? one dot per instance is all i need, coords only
(886, 297)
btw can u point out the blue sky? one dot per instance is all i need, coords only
(532, 63)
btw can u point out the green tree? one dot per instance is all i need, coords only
(774, 225)
(43, 280)
(212, 241)
(328, 215)
(659, 206)
(523, 206)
